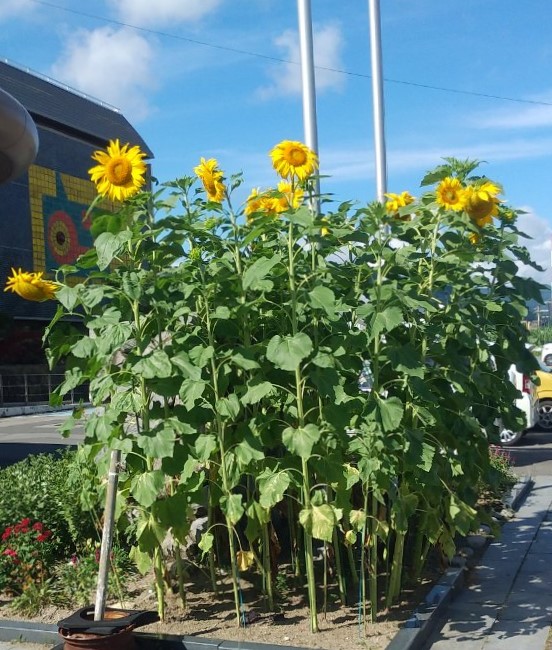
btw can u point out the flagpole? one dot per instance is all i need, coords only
(377, 99)
(308, 84)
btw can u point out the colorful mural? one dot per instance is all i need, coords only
(60, 228)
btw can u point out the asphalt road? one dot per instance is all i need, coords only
(533, 454)
(22, 435)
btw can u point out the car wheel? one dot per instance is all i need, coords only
(509, 437)
(545, 414)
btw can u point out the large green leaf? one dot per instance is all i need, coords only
(108, 245)
(256, 390)
(386, 321)
(387, 412)
(254, 276)
(145, 487)
(320, 521)
(232, 507)
(272, 486)
(190, 391)
(287, 352)
(157, 364)
(205, 444)
(323, 298)
(301, 440)
(159, 444)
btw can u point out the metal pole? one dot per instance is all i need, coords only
(107, 534)
(377, 100)
(308, 85)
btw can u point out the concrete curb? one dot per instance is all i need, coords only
(11, 411)
(427, 616)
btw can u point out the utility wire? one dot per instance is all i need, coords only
(279, 60)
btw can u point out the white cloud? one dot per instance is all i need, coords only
(286, 78)
(112, 65)
(12, 8)
(358, 164)
(162, 12)
(518, 117)
(539, 246)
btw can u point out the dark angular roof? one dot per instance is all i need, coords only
(49, 103)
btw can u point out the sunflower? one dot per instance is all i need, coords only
(120, 173)
(211, 177)
(291, 158)
(482, 203)
(397, 201)
(291, 197)
(451, 194)
(31, 286)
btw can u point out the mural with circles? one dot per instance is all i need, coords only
(59, 222)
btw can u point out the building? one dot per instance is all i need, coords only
(42, 224)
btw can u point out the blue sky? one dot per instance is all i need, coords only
(220, 78)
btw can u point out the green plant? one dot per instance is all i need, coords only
(225, 350)
(76, 579)
(26, 556)
(501, 476)
(47, 488)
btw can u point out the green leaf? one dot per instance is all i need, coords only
(205, 445)
(247, 451)
(145, 487)
(323, 298)
(386, 321)
(201, 355)
(387, 412)
(357, 519)
(141, 559)
(131, 285)
(228, 407)
(320, 521)
(272, 487)
(84, 348)
(206, 542)
(157, 364)
(158, 445)
(256, 390)
(190, 391)
(68, 296)
(253, 278)
(245, 360)
(426, 461)
(108, 245)
(232, 507)
(300, 441)
(288, 352)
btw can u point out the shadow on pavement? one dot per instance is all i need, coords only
(12, 452)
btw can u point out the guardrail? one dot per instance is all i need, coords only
(27, 389)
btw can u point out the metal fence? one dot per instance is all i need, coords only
(23, 389)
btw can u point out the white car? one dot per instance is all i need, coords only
(527, 403)
(546, 354)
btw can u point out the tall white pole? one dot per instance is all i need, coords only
(377, 100)
(307, 80)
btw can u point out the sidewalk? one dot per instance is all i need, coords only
(507, 603)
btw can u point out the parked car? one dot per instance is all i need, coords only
(546, 354)
(544, 392)
(527, 403)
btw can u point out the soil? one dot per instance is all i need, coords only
(213, 617)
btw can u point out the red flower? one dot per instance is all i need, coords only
(44, 536)
(7, 532)
(26, 521)
(10, 552)
(38, 526)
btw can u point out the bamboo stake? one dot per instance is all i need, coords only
(107, 534)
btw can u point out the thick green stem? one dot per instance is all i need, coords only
(159, 582)
(341, 583)
(395, 580)
(267, 569)
(374, 560)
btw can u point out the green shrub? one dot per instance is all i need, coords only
(46, 488)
